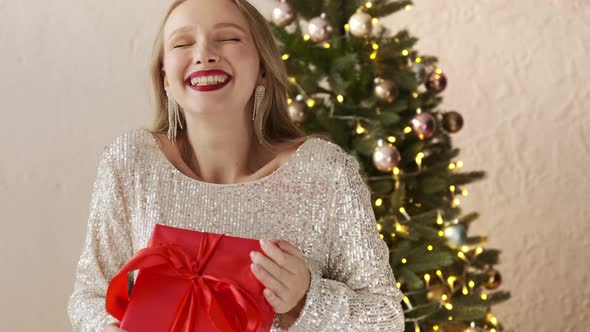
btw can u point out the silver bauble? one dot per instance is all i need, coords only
(283, 14)
(297, 112)
(319, 29)
(456, 235)
(386, 157)
(385, 90)
(360, 24)
(423, 125)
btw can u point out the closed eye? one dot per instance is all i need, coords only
(231, 39)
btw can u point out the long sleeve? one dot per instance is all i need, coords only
(360, 292)
(106, 248)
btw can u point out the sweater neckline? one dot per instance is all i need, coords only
(283, 168)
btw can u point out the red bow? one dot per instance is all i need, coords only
(174, 261)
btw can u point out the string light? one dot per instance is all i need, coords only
(479, 250)
(327, 45)
(292, 79)
(408, 7)
(484, 296)
(391, 139)
(450, 317)
(414, 95)
(435, 328)
(464, 192)
(439, 219)
(405, 52)
(375, 46)
(419, 158)
(289, 101)
(459, 164)
(407, 130)
(449, 306)
(430, 247)
(441, 233)
(373, 56)
(378, 202)
(306, 37)
(471, 283)
(465, 290)
(375, 21)
(381, 236)
(310, 102)
(456, 202)
(368, 4)
(360, 129)
(452, 188)
(451, 280)
(404, 261)
(340, 98)
(379, 227)
(396, 171)
(402, 210)
(285, 56)
(347, 27)
(418, 60)
(465, 249)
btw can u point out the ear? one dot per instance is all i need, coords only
(165, 80)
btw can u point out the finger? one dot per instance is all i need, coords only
(289, 248)
(269, 281)
(276, 302)
(279, 272)
(282, 258)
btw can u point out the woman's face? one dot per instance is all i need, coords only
(201, 35)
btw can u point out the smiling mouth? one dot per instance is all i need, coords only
(208, 83)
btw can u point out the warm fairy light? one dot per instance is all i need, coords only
(449, 306)
(430, 247)
(399, 227)
(416, 328)
(404, 261)
(451, 280)
(484, 296)
(444, 297)
(306, 37)
(439, 219)
(465, 290)
(418, 110)
(471, 283)
(360, 129)
(327, 45)
(459, 164)
(391, 139)
(373, 56)
(461, 255)
(402, 210)
(450, 317)
(378, 202)
(441, 233)
(465, 249)
(427, 277)
(418, 60)
(405, 52)
(408, 7)
(347, 27)
(414, 95)
(392, 235)
(493, 319)
(340, 98)
(479, 250)
(375, 46)
(375, 21)
(285, 56)
(438, 71)
(368, 4)
(398, 284)
(435, 328)
(407, 130)
(395, 171)
(439, 273)
(310, 102)
(456, 202)
(452, 166)
(419, 158)
(492, 330)
(421, 136)
(379, 227)
(464, 192)
(289, 101)
(381, 236)
(292, 79)
(452, 188)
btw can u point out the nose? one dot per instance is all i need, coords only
(204, 54)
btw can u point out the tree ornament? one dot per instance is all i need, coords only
(283, 14)
(297, 110)
(360, 24)
(436, 81)
(452, 121)
(423, 125)
(456, 235)
(386, 156)
(420, 71)
(319, 29)
(385, 90)
(495, 279)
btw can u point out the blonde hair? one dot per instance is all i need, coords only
(272, 124)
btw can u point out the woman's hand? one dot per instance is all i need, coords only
(112, 328)
(285, 275)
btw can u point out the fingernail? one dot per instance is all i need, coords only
(252, 254)
(263, 242)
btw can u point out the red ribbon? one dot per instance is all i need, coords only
(174, 261)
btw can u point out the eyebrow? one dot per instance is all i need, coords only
(218, 25)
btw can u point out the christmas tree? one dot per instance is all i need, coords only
(378, 98)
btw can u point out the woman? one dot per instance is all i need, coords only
(224, 157)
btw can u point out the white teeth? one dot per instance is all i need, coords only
(208, 80)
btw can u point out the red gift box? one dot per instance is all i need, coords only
(191, 281)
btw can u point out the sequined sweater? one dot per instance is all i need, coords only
(317, 200)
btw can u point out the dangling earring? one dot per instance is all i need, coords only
(173, 118)
(258, 95)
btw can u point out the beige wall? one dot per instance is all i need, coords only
(74, 76)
